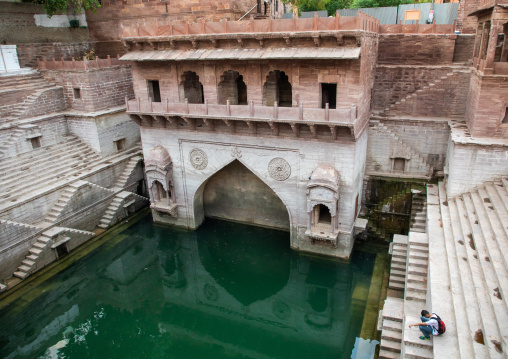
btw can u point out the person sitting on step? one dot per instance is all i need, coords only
(429, 325)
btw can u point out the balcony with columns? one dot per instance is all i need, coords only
(302, 122)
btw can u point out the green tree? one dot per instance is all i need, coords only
(335, 5)
(355, 4)
(52, 7)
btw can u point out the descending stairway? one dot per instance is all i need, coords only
(418, 212)
(115, 212)
(426, 95)
(123, 179)
(469, 282)
(35, 256)
(418, 164)
(29, 171)
(399, 262)
(11, 231)
(64, 199)
(13, 138)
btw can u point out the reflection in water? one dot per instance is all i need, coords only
(225, 290)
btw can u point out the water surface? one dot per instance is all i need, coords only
(226, 290)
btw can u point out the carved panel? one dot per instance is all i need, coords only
(279, 169)
(198, 159)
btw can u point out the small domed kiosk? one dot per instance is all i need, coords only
(322, 204)
(159, 175)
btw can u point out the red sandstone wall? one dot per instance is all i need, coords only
(105, 24)
(369, 55)
(467, 24)
(305, 78)
(486, 105)
(421, 49)
(99, 88)
(395, 82)
(29, 53)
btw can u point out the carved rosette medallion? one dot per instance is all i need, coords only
(198, 159)
(281, 310)
(279, 169)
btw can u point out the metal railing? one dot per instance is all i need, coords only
(248, 12)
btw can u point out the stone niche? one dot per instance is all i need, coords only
(322, 205)
(159, 175)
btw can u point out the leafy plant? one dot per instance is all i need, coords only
(52, 7)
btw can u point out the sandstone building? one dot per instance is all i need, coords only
(278, 123)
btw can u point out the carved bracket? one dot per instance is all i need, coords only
(275, 128)
(296, 128)
(209, 123)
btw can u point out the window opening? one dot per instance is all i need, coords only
(61, 250)
(232, 88)
(505, 118)
(277, 88)
(329, 95)
(399, 164)
(119, 144)
(36, 142)
(77, 92)
(154, 90)
(190, 88)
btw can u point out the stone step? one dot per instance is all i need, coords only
(416, 278)
(420, 286)
(392, 325)
(451, 305)
(35, 251)
(28, 262)
(397, 279)
(386, 354)
(32, 257)
(420, 255)
(398, 267)
(395, 285)
(397, 273)
(415, 295)
(21, 275)
(412, 352)
(398, 253)
(24, 268)
(38, 155)
(39, 245)
(391, 346)
(392, 335)
(417, 262)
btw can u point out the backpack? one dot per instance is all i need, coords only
(441, 325)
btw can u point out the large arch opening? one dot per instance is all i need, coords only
(236, 194)
(277, 88)
(190, 88)
(232, 88)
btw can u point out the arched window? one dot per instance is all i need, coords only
(277, 88)
(190, 88)
(232, 88)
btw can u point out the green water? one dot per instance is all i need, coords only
(224, 291)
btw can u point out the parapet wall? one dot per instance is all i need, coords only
(99, 88)
(416, 49)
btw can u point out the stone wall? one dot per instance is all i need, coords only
(423, 144)
(99, 89)
(44, 102)
(467, 24)
(18, 26)
(100, 132)
(52, 130)
(30, 52)
(106, 24)
(470, 165)
(464, 46)
(411, 49)
(255, 153)
(395, 82)
(486, 105)
(235, 193)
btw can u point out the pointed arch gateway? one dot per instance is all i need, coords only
(235, 193)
